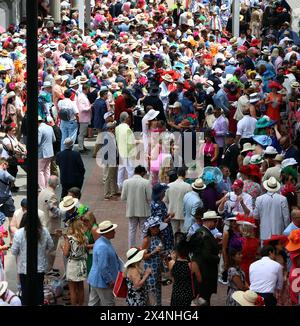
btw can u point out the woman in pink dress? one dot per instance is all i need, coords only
(210, 150)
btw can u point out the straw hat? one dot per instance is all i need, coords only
(4, 53)
(210, 215)
(279, 158)
(198, 184)
(114, 86)
(294, 241)
(83, 79)
(68, 203)
(254, 97)
(151, 114)
(134, 255)
(73, 83)
(271, 150)
(271, 185)
(143, 66)
(256, 159)
(247, 298)
(105, 227)
(3, 287)
(247, 147)
(167, 78)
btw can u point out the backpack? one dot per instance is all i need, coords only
(64, 114)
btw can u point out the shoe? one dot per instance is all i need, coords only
(118, 194)
(222, 281)
(107, 197)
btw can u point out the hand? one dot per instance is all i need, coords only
(58, 232)
(157, 249)
(148, 271)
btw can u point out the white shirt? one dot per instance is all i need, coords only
(246, 126)
(232, 206)
(266, 276)
(69, 104)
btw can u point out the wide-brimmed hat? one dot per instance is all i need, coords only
(271, 184)
(263, 140)
(3, 287)
(256, 159)
(210, 215)
(295, 84)
(167, 78)
(247, 147)
(108, 114)
(68, 203)
(83, 79)
(134, 255)
(143, 66)
(294, 241)
(150, 115)
(264, 122)
(153, 221)
(73, 83)
(276, 237)
(273, 84)
(105, 227)
(254, 97)
(237, 184)
(198, 184)
(270, 150)
(247, 298)
(10, 94)
(279, 158)
(288, 162)
(4, 53)
(46, 84)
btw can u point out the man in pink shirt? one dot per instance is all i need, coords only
(85, 115)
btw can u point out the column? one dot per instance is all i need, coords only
(75, 4)
(236, 18)
(55, 10)
(88, 13)
(81, 15)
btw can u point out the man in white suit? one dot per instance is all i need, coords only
(137, 193)
(174, 199)
(48, 203)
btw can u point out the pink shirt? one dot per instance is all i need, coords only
(84, 108)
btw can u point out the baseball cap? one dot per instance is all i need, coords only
(237, 184)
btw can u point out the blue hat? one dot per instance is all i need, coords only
(154, 221)
(263, 140)
(158, 189)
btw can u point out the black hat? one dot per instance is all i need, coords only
(230, 135)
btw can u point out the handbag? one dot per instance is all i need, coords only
(120, 288)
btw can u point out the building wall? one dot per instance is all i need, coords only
(11, 12)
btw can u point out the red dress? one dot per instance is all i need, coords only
(249, 249)
(294, 278)
(273, 108)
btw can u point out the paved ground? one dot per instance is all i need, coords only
(104, 210)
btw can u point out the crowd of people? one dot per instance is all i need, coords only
(155, 82)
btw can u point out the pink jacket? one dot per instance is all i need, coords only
(84, 108)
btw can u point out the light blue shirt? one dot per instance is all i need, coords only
(191, 201)
(106, 264)
(291, 227)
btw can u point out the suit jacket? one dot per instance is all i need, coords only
(174, 197)
(71, 167)
(46, 198)
(45, 141)
(206, 254)
(137, 193)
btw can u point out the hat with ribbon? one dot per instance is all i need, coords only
(245, 220)
(105, 227)
(248, 298)
(68, 203)
(276, 237)
(256, 159)
(271, 184)
(247, 147)
(210, 215)
(134, 255)
(198, 184)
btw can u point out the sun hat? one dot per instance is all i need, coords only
(143, 66)
(245, 169)
(198, 184)
(237, 184)
(270, 150)
(288, 162)
(262, 140)
(218, 71)
(264, 122)
(271, 184)
(295, 84)
(10, 94)
(248, 147)
(4, 53)
(68, 203)
(153, 221)
(167, 78)
(210, 215)
(245, 220)
(46, 84)
(114, 86)
(273, 84)
(105, 227)
(232, 61)
(108, 114)
(150, 115)
(248, 298)
(3, 287)
(276, 237)
(83, 79)
(254, 97)
(73, 83)
(294, 241)
(279, 158)
(134, 255)
(256, 159)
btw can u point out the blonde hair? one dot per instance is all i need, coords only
(90, 217)
(75, 229)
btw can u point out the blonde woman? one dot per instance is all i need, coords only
(136, 278)
(75, 249)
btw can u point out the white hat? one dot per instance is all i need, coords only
(218, 71)
(247, 147)
(3, 287)
(254, 97)
(47, 84)
(271, 185)
(10, 94)
(210, 90)
(198, 184)
(247, 298)
(167, 78)
(288, 162)
(134, 255)
(151, 114)
(271, 150)
(108, 114)
(105, 227)
(232, 61)
(256, 159)
(68, 203)
(73, 83)
(210, 215)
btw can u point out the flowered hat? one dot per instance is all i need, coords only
(294, 241)
(82, 209)
(153, 221)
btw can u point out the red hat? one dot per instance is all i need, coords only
(254, 170)
(273, 84)
(255, 42)
(237, 184)
(276, 237)
(245, 169)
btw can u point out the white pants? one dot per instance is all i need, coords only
(101, 297)
(125, 165)
(134, 222)
(177, 225)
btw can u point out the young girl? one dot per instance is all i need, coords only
(236, 276)
(75, 249)
(153, 244)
